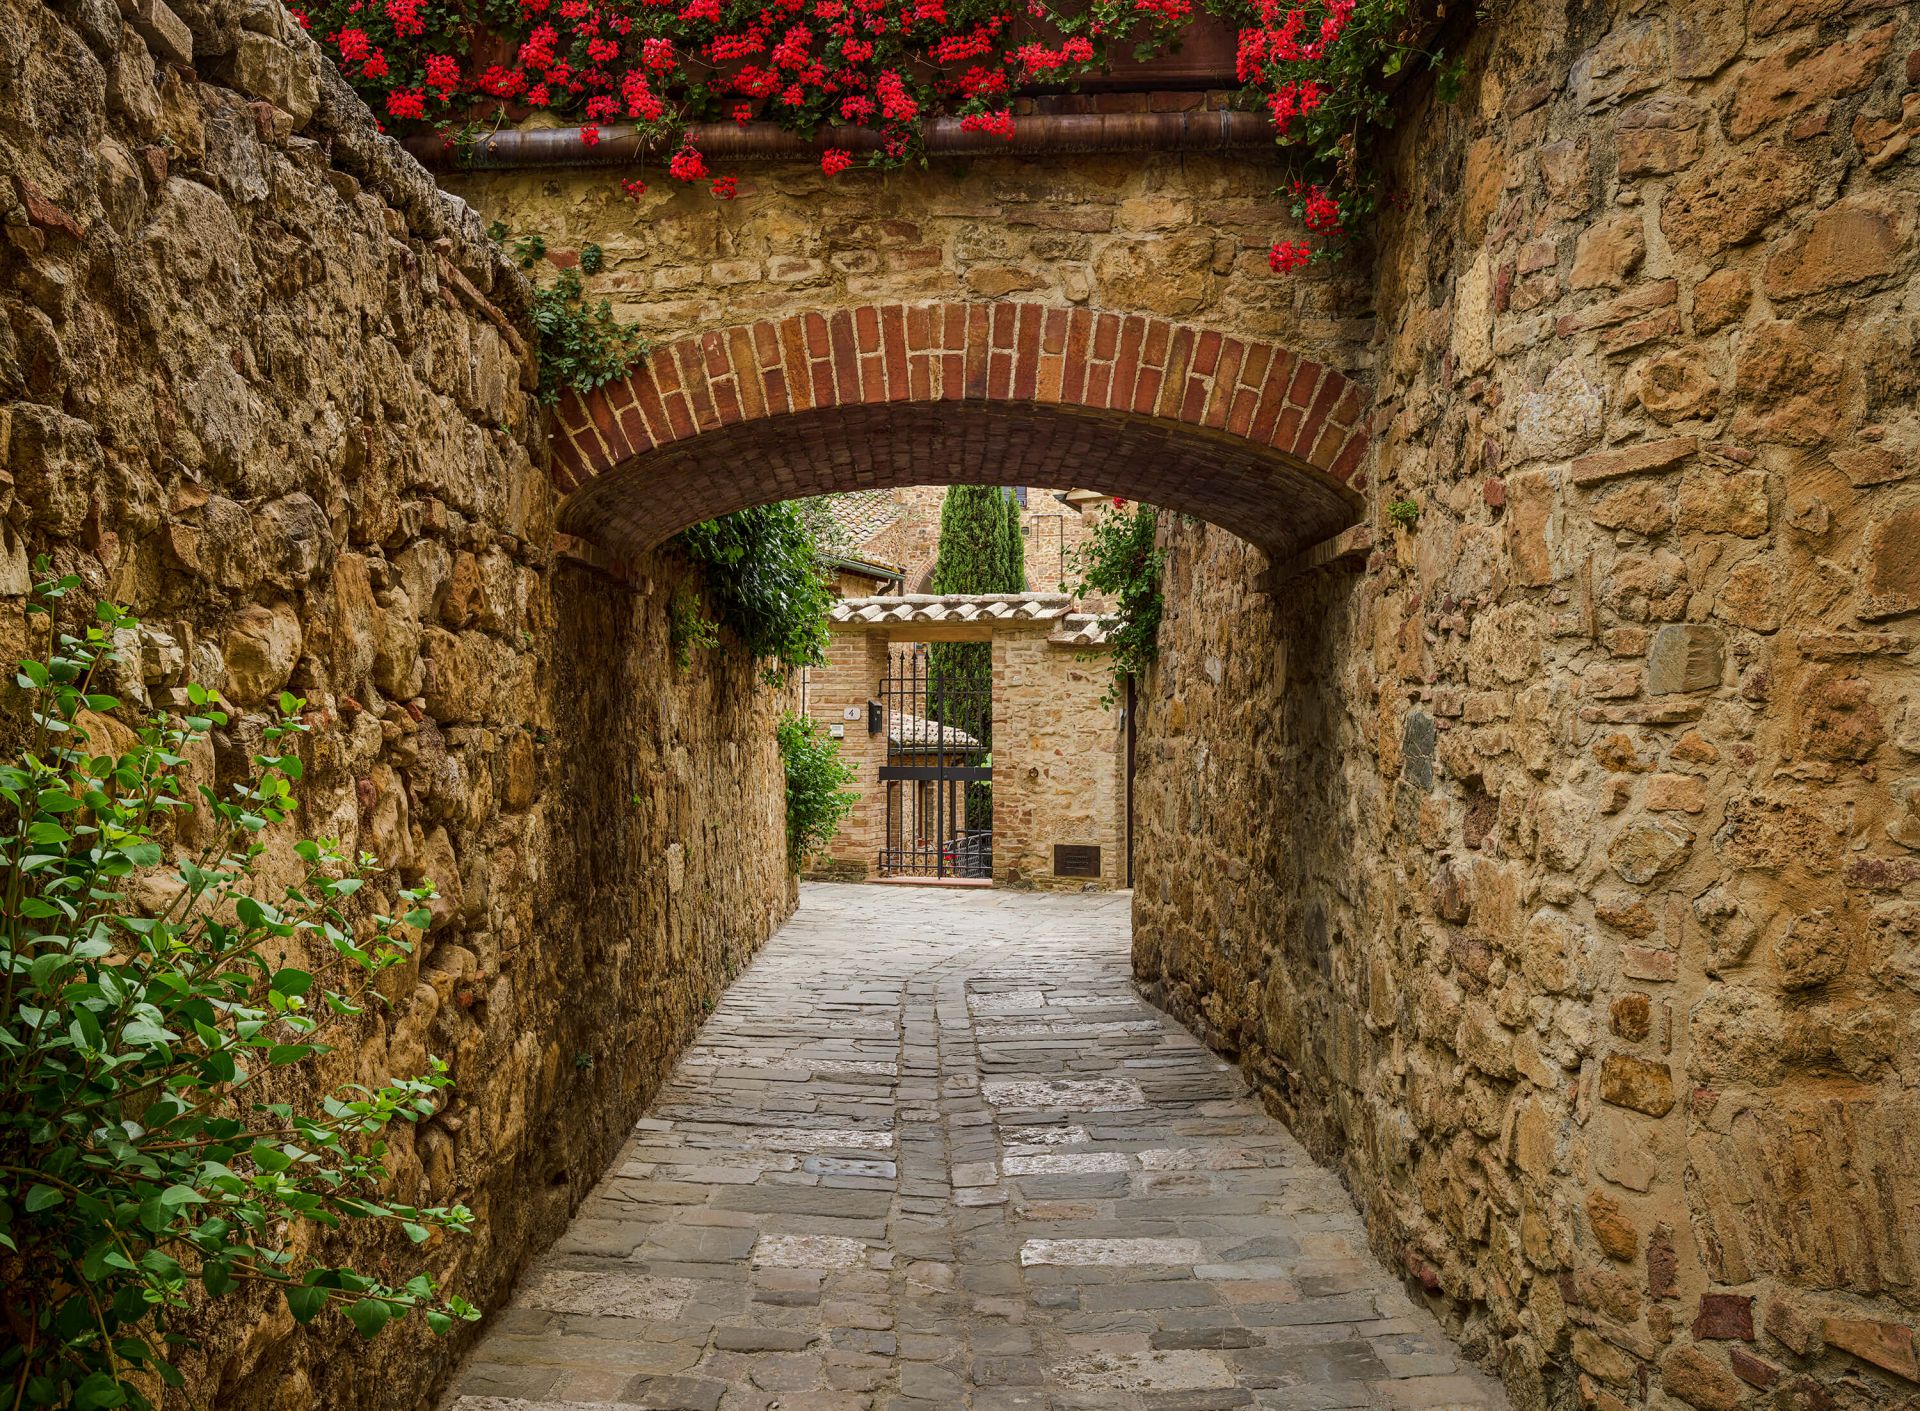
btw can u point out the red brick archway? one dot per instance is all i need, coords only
(1244, 434)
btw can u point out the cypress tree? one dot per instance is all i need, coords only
(980, 552)
(979, 548)
(1016, 572)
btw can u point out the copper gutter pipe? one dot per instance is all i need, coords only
(724, 142)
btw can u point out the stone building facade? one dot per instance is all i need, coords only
(266, 386)
(1059, 755)
(1549, 862)
(901, 529)
(1583, 932)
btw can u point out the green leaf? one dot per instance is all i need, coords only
(41, 1197)
(291, 982)
(101, 1389)
(305, 1302)
(419, 1234)
(369, 1315)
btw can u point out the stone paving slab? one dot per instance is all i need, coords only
(931, 1153)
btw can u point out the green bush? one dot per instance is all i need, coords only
(763, 573)
(1120, 561)
(817, 793)
(150, 1028)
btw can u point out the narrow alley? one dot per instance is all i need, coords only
(932, 1152)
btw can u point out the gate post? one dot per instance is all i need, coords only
(856, 662)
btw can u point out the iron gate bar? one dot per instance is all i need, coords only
(937, 769)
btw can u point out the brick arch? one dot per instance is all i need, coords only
(1244, 434)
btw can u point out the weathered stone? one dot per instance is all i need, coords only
(1843, 244)
(1631, 1016)
(1717, 502)
(1716, 205)
(1796, 76)
(1884, 1344)
(1839, 719)
(1792, 1327)
(1633, 460)
(1696, 1378)
(1749, 596)
(1812, 951)
(1612, 1227)
(1676, 793)
(1724, 1315)
(1684, 657)
(1657, 136)
(1676, 386)
(1891, 584)
(1608, 253)
(261, 646)
(1789, 388)
(1562, 418)
(1626, 1081)
(1720, 299)
(1645, 507)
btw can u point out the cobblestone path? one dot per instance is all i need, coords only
(932, 1152)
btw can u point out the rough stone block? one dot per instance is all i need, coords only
(1636, 1083)
(1685, 657)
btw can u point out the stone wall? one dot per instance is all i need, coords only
(264, 384)
(1180, 235)
(850, 678)
(1059, 762)
(1557, 876)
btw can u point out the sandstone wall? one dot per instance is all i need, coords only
(261, 382)
(1059, 762)
(1558, 874)
(1183, 236)
(856, 663)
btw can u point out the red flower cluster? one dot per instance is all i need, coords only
(888, 65)
(1288, 255)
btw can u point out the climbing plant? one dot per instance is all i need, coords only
(1121, 561)
(763, 573)
(581, 344)
(160, 1005)
(1322, 69)
(817, 793)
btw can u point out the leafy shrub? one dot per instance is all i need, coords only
(817, 793)
(581, 344)
(688, 627)
(1406, 512)
(149, 1017)
(763, 573)
(1121, 561)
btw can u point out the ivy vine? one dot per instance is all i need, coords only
(1121, 560)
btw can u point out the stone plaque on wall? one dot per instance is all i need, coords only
(1076, 860)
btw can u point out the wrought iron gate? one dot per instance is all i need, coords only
(938, 711)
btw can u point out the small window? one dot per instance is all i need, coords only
(1020, 494)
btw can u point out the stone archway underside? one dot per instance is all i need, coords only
(1246, 435)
